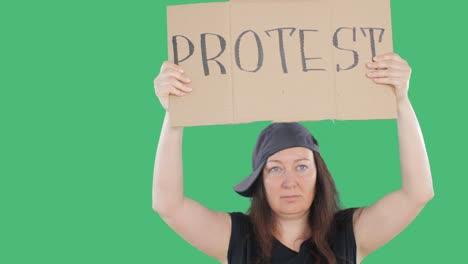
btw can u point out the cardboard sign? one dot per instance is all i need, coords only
(290, 60)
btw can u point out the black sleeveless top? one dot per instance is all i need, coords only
(243, 247)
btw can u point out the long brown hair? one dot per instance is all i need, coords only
(325, 204)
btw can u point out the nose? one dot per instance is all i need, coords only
(289, 180)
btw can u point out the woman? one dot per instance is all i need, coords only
(294, 215)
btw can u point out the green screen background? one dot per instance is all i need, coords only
(80, 124)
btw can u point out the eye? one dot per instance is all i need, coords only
(305, 167)
(275, 170)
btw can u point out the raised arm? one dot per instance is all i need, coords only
(377, 224)
(209, 231)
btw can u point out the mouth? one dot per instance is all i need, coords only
(289, 196)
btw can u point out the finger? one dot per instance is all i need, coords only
(176, 91)
(179, 76)
(389, 56)
(386, 80)
(168, 87)
(169, 65)
(385, 73)
(177, 84)
(388, 64)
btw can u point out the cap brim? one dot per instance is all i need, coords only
(245, 187)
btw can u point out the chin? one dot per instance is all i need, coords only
(293, 210)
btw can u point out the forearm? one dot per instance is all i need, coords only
(415, 169)
(168, 190)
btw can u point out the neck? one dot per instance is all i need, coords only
(292, 230)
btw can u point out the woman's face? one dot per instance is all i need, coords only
(289, 177)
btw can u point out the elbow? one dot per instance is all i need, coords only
(420, 197)
(160, 202)
(424, 198)
(159, 209)
(157, 205)
(430, 196)
(165, 209)
(165, 203)
(155, 208)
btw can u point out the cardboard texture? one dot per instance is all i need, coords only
(278, 60)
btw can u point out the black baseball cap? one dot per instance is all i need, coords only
(274, 138)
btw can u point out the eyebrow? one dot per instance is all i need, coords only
(294, 160)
